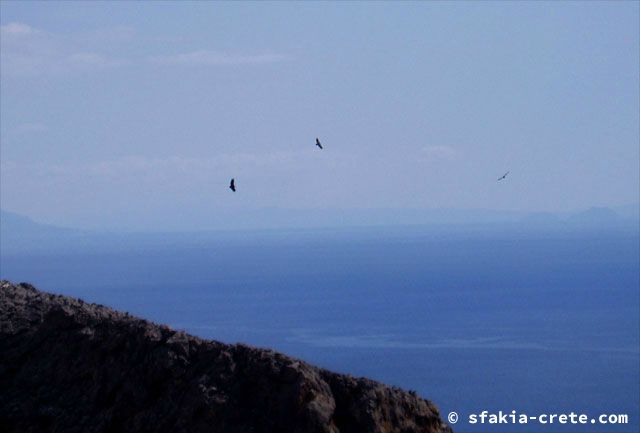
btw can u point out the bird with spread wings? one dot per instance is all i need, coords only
(503, 176)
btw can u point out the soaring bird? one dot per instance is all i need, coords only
(232, 185)
(503, 176)
(318, 143)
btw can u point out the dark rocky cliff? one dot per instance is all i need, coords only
(70, 366)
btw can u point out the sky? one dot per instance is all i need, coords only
(137, 115)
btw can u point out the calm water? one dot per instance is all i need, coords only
(539, 322)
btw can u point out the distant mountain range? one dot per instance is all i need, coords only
(19, 233)
(12, 223)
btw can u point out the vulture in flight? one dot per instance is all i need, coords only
(503, 176)
(318, 143)
(232, 185)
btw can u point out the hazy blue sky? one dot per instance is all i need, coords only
(138, 114)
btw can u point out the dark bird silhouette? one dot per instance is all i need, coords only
(503, 176)
(232, 185)
(318, 143)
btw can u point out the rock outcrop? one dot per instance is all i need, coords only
(70, 366)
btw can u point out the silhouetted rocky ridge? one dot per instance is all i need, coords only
(70, 366)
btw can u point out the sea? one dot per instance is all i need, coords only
(474, 318)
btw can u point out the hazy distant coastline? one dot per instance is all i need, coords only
(20, 233)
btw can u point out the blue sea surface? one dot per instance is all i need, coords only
(531, 321)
